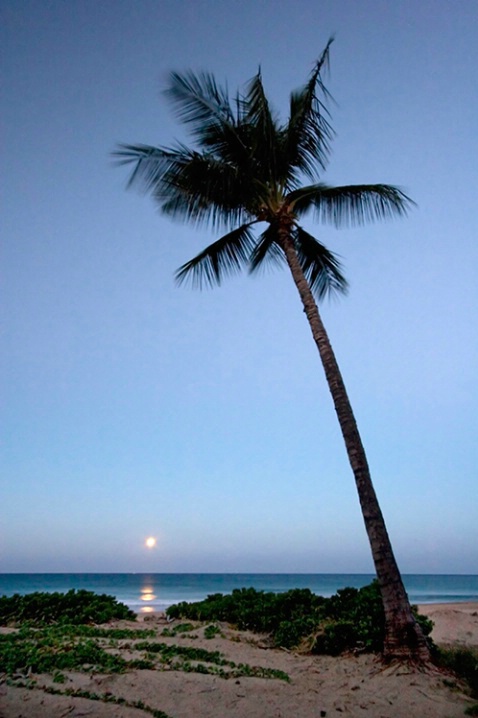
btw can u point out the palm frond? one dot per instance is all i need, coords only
(189, 185)
(351, 205)
(151, 163)
(198, 98)
(303, 198)
(224, 257)
(266, 250)
(191, 208)
(258, 112)
(309, 132)
(263, 131)
(321, 266)
(204, 105)
(205, 190)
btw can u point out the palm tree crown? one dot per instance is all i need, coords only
(247, 168)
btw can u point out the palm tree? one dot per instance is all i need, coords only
(248, 169)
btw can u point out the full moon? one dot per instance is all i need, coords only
(150, 542)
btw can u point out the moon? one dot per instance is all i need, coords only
(150, 542)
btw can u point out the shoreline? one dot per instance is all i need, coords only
(473, 605)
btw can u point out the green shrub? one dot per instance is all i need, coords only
(335, 638)
(211, 631)
(351, 619)
(463, 662)
(290, 633)
(249, 609)
(74, 607)
(182, 628)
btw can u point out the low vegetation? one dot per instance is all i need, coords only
(58, 633)
(463, 662)
(61, 648)
(352, 619)
(74, 607)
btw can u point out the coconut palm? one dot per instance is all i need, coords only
(248, 170)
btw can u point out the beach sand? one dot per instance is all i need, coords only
(320, 686)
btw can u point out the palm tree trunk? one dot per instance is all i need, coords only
(403, 635)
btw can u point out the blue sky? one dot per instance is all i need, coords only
(132, 407)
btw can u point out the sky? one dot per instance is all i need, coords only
(132, 407)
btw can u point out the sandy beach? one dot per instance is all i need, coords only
(319, 685)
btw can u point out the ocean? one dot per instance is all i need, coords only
(146, 592)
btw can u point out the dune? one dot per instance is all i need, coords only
(319, 686)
